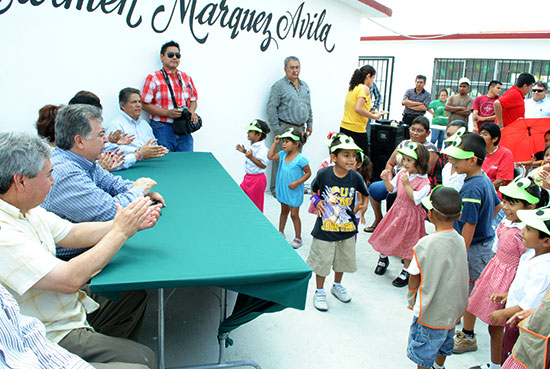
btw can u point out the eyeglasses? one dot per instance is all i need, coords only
(537, 90)
(171, 55)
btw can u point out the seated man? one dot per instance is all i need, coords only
(83, 191)
(129, 122)
(24, 343)
(48, 288)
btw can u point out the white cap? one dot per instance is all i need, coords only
(464, 80)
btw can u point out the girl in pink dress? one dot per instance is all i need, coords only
(520, 194)
(403, 225)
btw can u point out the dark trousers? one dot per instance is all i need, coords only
(116, 325)
(361, 139)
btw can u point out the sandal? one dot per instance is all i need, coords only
(370, 229)
(297, 243)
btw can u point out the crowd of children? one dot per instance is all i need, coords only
(452, 273)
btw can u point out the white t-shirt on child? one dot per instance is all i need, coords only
(531, 281)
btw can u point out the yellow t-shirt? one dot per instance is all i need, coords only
(351, 120)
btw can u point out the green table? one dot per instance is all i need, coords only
(209, 234)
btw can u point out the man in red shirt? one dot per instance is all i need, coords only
(157, 99)
(484, 108)
(511, 105)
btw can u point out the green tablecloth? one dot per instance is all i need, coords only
(209, 234)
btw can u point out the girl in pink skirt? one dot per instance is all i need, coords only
(520, 194)
(255, 182)
(403, 225)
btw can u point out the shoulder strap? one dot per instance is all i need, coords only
(170, 86)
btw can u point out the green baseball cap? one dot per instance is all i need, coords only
(409, 150)
(536, 218)
(517, 190)
(454, 151)
(254, 126)
(346, 143)
(289, 134)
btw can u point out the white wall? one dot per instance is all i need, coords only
(51, 53)
(417, 57)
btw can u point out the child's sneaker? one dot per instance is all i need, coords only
(463, 343)
(402, 279)
(297, 243)
(382, 265)
(340, 293)
(320, 301)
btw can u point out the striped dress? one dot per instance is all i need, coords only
(499, 273)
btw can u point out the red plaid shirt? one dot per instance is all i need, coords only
(155, 91)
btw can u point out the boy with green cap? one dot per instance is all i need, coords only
(334, 232)
(480, 205)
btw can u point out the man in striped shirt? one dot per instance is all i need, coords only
(289, 106)
(83, 191)
(24, 344)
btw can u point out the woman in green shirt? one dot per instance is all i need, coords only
(440, 118)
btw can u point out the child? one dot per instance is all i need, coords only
(532, 277)
(255, 182)
(363, 166)
(520, 194)
(481, 204)
(531, 347)
(293, 172)
(403, 225)
(335, 229)
(438, 284)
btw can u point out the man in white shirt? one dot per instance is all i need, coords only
(129, 122)
(48, 288)
(538, 106)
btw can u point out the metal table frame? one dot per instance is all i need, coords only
(221, 342)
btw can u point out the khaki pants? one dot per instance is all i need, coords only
(116, 325)
(275, 163)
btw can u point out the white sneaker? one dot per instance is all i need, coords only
(340, 293)
(320, 301)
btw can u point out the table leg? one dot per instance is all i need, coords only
(160, 322)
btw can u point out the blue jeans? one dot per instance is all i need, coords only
(438, 135)
(377, 190)
(426, 343)
(171, 140)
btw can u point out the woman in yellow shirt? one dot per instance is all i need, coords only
(357, 107)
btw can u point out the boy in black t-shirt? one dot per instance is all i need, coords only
(336, 226)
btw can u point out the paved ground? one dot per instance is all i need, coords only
(369, 332)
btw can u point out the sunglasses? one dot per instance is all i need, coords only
(537, 90)
(171, 55)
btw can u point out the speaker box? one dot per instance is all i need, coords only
(384, 139)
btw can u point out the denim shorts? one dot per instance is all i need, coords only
(426, 343)
(479, 255)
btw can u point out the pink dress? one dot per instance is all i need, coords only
(499, 273)
(403, 225)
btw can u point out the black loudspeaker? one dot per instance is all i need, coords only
(384, 139)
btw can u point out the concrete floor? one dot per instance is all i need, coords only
(369, 332)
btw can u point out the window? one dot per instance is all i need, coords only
(480, 72)
(384, 76)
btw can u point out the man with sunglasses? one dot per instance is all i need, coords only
(157, 99)
(538, 106)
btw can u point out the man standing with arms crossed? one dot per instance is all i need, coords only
(289, 106)
(416, 101)
(484, 106)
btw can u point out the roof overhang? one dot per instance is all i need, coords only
(369, 8)
(464, 36)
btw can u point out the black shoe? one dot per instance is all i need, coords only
(382, 266)
(402, 279)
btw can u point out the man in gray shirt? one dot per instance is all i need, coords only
(289, 106)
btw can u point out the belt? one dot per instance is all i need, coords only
(292, 124)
